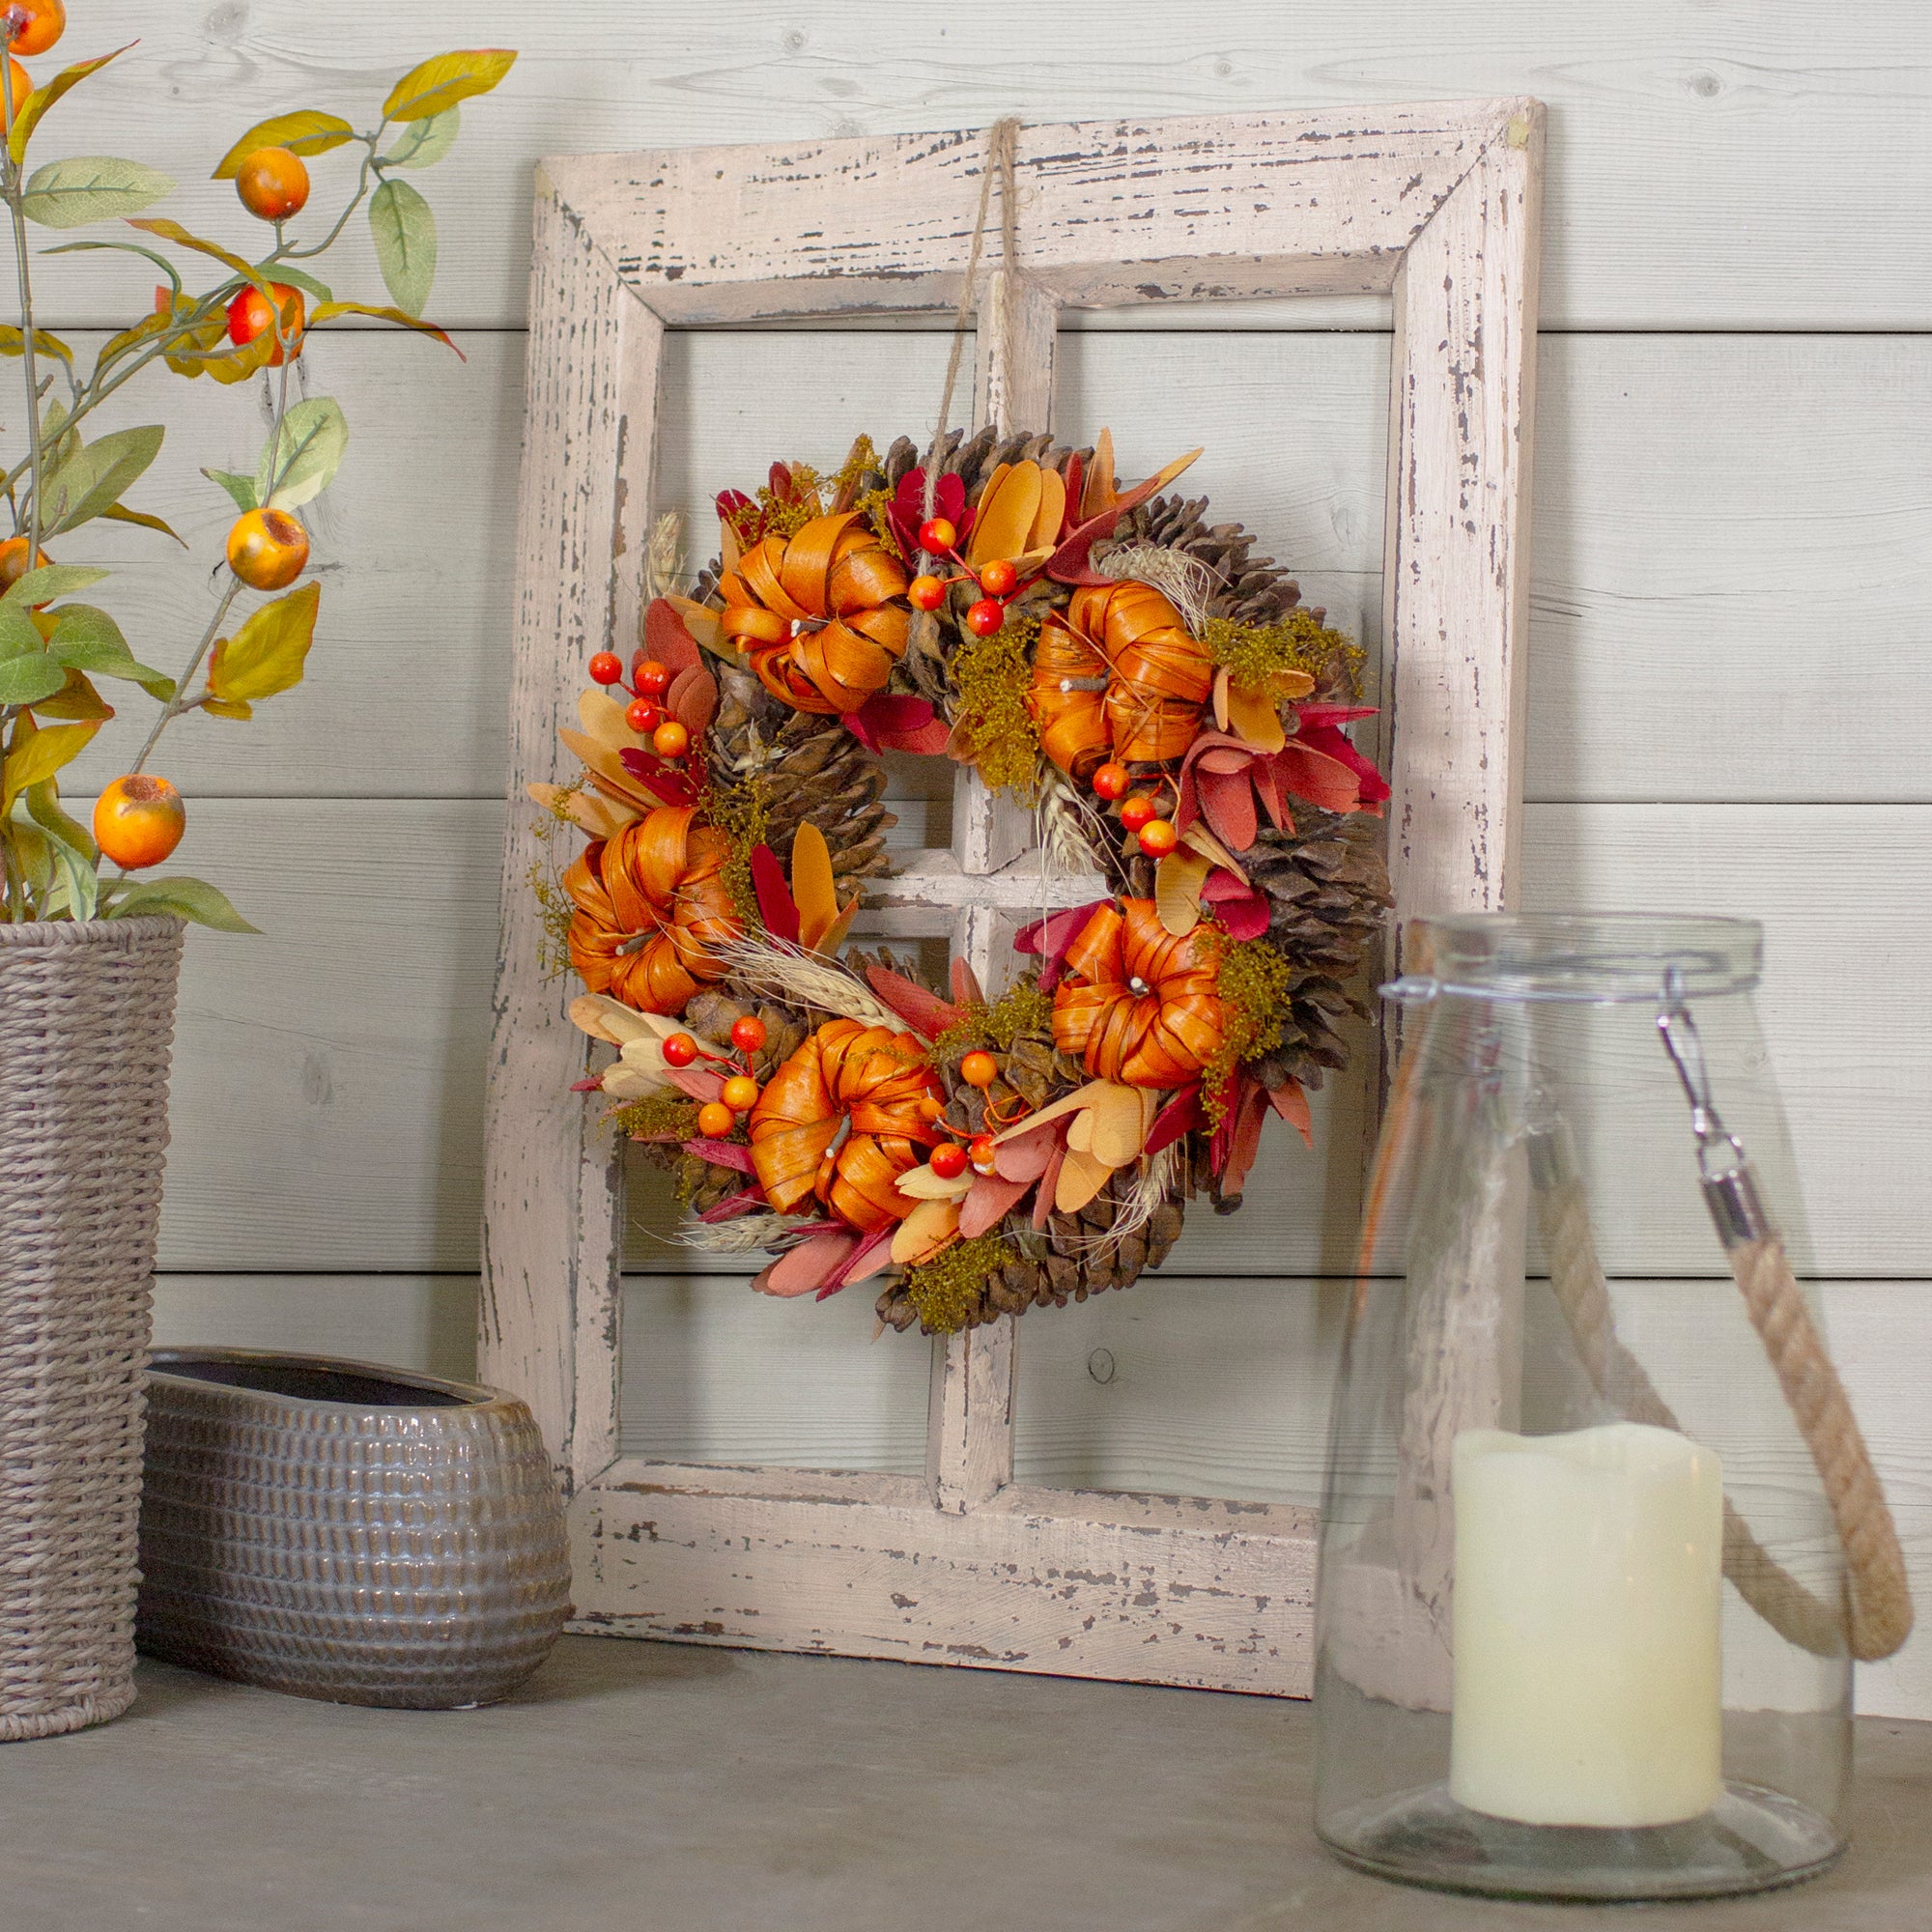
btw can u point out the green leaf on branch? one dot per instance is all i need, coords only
(404, 231)
(306, 452)
(27, 115)
(91, 187)
(51, 581)
(13, 343)
(329, 310)
(160, 262)
(39, 756)
(184, 898)
(120, 513)
(182, 238)
(267, 654)
(19, 632)
(424, 143)
(75, 857)
(438, 84)
(95, 477)
(26, 680)
(300, 279)
(310, 131)
(240, 488)
(90, 640)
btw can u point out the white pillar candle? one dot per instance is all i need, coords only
(1587, 1677)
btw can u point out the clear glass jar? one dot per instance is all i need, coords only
(1583, 1626)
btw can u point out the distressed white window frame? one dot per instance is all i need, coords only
(1436, 205)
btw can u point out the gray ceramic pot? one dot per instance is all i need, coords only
(343, 1531)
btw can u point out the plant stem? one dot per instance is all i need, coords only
(15, 204)
(174, 708)
(322, 246)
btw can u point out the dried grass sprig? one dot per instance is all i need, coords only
(776, 970)
(1073, 833)
(745, 1235)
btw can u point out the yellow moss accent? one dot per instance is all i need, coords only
(1253, 980)
(859, 459)
(556, 908)
(1257, 653)
(667, 1113)
(1021, 1012)
(873, 505)
(946, 1291)
(741, 813)
(993, 675)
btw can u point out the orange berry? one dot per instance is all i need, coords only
(251, 314)
(925, 593)
(979, 1069)
(980, 1154)
(138, 820)
(23, 82)
(715, 1120)
(937, 537)
(14, 562)
(643, 717)
(679, 1050)
(606, 667)
(1138, 810)
(986, 617)
(273, 183)
(268, 549)
(930, 1109)
(998, 578)
(1158, 838)
(33, 26)
(652, 679)
(670, 740)
(741, 1093)
(949, 1160)
(1112, 779)
(748, 1035)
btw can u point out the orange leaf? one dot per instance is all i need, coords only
(811, 887)
(329, 311)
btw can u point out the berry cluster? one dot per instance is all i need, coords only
(998, 581)
(1139, 812)
(717, 1117)
(645, 714)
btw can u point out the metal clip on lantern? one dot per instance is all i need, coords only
(1531, 1677)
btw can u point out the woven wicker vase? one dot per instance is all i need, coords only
(87, 1016)
(342, 1531)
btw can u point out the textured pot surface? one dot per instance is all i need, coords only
(87, 1016)
(339, 1531)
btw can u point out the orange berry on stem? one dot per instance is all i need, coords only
(643, 717)
(925, 593)
(14, 562)
(268, 549)
(138, 820)
(670, 740)
(1158, 838)
(998, 578)
(930, 1109)
(653, 680)
(1138, 811)
(986, 617)
(33, 26)
(251, 314)
(606, 667)
(979, 1069)
(273, 184)
(980, 1154)
(937, 537)
(715, 1120)
(23, 82)
(949, 1160)
(748, 1035)
(741, 1093)
(1111, 781)
(679, 1050)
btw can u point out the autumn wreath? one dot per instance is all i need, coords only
(1175, 717)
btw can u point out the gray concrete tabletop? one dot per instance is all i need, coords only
(633, 1787)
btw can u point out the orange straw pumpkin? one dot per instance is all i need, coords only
(1158, 678)
(814, 610)
(869, 1077)
(1139, 1005)
(651, 903)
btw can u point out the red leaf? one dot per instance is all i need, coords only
(991, 1199)
(776, 905)
(1228, 803)
(1053, 939)
(666, 638)
(1042, 1206)
(1246, 1141)
(1291, 1104)
(693, 699)
(1313, 775)
(696, 1083)
(723, 1153)
(923, 1011)
(667, 782)
(809, 1267)
(1027, 1156)
(1181, 1115)
(1243, 918)
(1221, 885)
(734, 1204)
(586, 1086)
(873, 1253)
(966, 985)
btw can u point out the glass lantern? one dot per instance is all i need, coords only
(1584, 1625)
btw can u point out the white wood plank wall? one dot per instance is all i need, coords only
(1731, 686)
